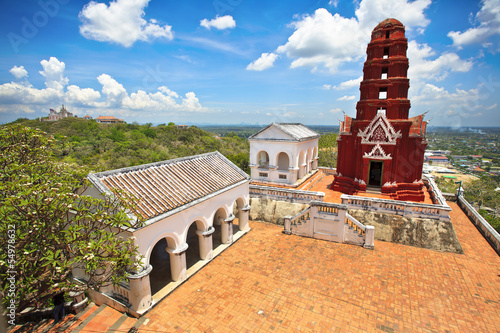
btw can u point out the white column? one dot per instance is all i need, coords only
(302, 170)
(178, 262)
(227, 230)
(292, 175)
(243, 218)
(315, 163)
(140, 290)
(205, 241)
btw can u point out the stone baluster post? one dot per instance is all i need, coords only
(369, 237)
(288, 225)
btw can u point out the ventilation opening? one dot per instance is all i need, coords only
(385, 72)
(382, 93)
(386, 53)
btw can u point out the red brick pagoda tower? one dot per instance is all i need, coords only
(383, 149)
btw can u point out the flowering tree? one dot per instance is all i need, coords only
(47, 227)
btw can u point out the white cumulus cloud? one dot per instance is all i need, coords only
(82, 97)
(121, 22)
(22, 97)
(410, 13)
(18, 72)
(219, 22)
(422, 68)
(53, 70)
(324, 39)
(346, 98)
(354, 83)
(488, 18)
(330, 40)
(265, 61)
(114, 91)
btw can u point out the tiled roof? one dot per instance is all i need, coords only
(167, 185)
(107, 118)
(297, 131)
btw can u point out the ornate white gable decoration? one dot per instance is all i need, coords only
(379, 131)
(377, 153)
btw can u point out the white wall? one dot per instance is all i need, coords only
(273, 149)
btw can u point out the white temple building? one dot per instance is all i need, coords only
(283, 153)
(188, 206)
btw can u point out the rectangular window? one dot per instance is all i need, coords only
(382, 111)
(386, 53)
(382, 93)
(282, 176)
(262, 174)
(387, 34)
(385, 72)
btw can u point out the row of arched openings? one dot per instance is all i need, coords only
(161, 275)
(283, 160)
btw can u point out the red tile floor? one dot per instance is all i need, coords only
(271, 282)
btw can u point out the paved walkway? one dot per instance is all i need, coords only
(271, 282)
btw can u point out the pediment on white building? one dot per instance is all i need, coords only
(285, 132)
(377, 153)
(379, 131)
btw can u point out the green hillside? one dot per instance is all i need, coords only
(106, 147)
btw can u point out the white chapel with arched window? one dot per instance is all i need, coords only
(283, 153)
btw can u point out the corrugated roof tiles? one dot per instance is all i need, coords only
(164, 186)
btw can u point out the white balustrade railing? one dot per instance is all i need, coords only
(328, 171)
(355, 224)
(303, 223)
(122, 290)
(434, 190)
(404, 208)
(283, 194)
(491, 235)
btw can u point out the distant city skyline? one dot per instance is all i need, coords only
(241, 61)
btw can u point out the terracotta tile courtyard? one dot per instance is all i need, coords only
(271, 282)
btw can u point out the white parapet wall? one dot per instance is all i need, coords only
(404, 208)
(284, 194)
(491, 235)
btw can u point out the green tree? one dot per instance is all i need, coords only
(482, 192)
(48, 226)
(242, 160)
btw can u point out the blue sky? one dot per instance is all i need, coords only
(241, 61)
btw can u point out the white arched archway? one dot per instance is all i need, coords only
(159, 259)
(241, 209)
(283, 161)
(263, 159)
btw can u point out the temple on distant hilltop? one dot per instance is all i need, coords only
(63, 113)
(382, 149)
